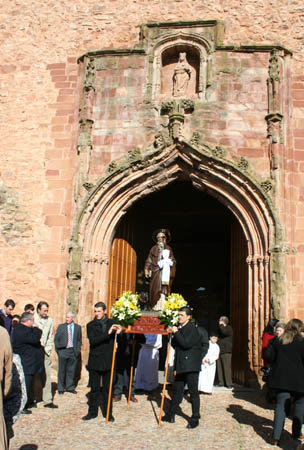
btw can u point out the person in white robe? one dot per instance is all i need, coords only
(208, 367)
(148, 361)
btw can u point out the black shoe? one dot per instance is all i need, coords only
(218, 385)
(50, 405)
(26, 411)
(60, 392)
(168, 418)
(72, 392)
(193, 424)
(31, 405)
(111, 419)
(229, 387)
(89, 416)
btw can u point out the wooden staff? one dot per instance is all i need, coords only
(165, 382)
(111, 378)
(131, 369)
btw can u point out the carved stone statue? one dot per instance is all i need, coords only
(181, 76)
(160, 268)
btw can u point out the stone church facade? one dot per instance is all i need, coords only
(105, 107)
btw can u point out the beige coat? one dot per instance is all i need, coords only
(6, 380)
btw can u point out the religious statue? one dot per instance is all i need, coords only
(160, 268)
(181, 76)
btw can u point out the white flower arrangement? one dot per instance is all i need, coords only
(126, 309)
(169, 314)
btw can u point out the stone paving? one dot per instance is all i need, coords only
(238, 420)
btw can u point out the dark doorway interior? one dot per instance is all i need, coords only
(201, 229)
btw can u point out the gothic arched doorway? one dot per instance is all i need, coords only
(140, 175)
(210, 249)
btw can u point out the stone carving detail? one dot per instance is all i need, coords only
(282, 248)
(88, 186)
(134, 155)
(195, 139)
(112, 167)
(89, 76)
(266, 185)
(176, 110)
(84, 140)
(160, 140)
(274, 116)
(181, 76)
(243, 164)
(219, 152)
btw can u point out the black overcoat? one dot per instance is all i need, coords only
(26, 343)
(101, 344)
(287, 365)
(188, 349)
(225, 338)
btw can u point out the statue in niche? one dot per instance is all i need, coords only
(181, 76)
(160, 269)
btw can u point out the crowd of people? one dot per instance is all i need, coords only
(26, 355)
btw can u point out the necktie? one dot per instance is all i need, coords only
(70, 342)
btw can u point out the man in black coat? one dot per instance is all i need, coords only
(223, 364)
(188, 360)
(101, 333)
(67, 345)
(26, 343)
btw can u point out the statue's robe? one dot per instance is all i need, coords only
(156, 288)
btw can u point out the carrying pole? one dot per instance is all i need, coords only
(131, 369)
(111, 379)
(165, 381)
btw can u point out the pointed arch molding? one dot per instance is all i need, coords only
(139, 174)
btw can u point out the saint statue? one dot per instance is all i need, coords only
(160, 268)
(181, 76)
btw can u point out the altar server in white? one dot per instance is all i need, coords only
(208, 368)
(148, 361)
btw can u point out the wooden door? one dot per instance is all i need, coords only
(239, 303)
(122, 270)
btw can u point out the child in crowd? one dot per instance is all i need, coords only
(207, 373)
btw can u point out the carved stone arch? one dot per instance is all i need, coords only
(131, 180)
(199, 44)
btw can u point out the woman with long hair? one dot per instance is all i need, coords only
(286, 355)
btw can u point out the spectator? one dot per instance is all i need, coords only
(207, 373)
(268, 334)
(27, 345)
(286, 355)
(29, 308)
(6, 313)
(45, 324)
(5, 380)
(279, 329)
(223, 364)
(67, 345)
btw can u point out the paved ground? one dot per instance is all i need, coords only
(238, 420)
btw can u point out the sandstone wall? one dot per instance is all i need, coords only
(40, 84)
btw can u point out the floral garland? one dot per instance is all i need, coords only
(126, 309)
(169, 314)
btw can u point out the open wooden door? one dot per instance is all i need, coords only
(239, 303)
(122, 270)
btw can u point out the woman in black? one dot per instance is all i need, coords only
(286, 355)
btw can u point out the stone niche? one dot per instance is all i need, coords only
(181, 58)
(180, 70)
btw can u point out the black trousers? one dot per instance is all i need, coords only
(123, 363)
(191, 379)
(223, 365)
(67, 363)
(28, 384)
(283, 407)
(95, 377)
